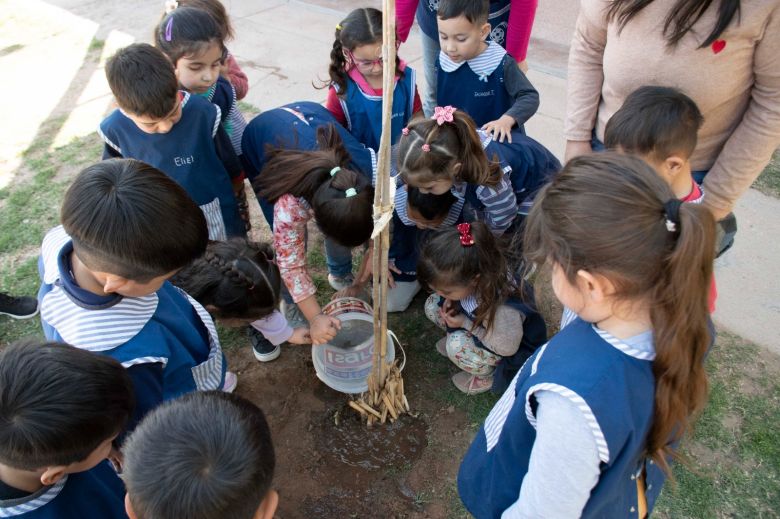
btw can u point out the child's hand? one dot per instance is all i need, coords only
(453, 320)
(500, 128)
(323, 328)
(300, 335)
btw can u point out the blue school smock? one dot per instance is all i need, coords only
(613, 385)
(186, 154)
(498, 18)
(294, 126)
(167, 327)
(97, 493)
(475, 86)
(363, 111)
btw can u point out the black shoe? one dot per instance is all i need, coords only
(18, 307)
(263, 349)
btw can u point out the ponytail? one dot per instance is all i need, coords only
(679, 316)
(337, 70)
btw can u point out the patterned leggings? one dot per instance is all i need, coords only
(462, 348)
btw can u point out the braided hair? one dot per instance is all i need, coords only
(236, 279)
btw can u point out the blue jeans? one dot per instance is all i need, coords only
(338, 258)
(430, 53)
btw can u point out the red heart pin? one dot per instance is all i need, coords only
(718, 45)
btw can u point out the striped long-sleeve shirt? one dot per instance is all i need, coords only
(499, 205)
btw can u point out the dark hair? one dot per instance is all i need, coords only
(218, 13)
(681, 17)
(429, 206)
(657, 121)
(237, 277)
(447, 144)
(307, 174)
(204, 455)
(360, 27)
(475, 11)
(444, 261)
(187, 31)
(142, 80)
(128, 218)
(605, 213)
(58, 403)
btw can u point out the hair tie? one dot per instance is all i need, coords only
(443, 114)
(672, 213)
(405, 131)
(426, 148)
(466, 238)
(334, 171)
(169, 29)
(350, 192)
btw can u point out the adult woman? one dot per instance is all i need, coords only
(724, 54)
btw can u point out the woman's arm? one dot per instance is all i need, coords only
(521, 22)
(585, 77)
(749, 148)
(404, 17)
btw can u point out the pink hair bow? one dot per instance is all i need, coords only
(443, 114)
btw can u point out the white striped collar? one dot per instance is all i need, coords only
(469, 304)
(483, 65)
(21, 506)
(638, 346)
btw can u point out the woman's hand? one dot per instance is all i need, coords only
(575, 149)
(323, 328)
(300, 335)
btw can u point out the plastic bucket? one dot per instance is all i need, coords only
(345, 363)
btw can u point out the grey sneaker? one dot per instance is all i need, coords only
(264, 350)
(340, 282)
(293, 315)
(18, 307)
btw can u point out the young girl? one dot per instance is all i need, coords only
(238, 283)
(192, 40)
(355, 93)
(447, 153)
(491, 331)
(230, 69)
(605, 401)
(303, 185)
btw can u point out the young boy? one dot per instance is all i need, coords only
(175, 132)
(127, 228)
(491, 88)
(60, 410)
(203, 456)
(660, 124)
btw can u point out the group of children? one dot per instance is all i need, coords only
(152, 248)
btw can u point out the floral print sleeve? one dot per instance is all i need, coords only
(290, 217)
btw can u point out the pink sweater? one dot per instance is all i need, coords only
(518, 34)
(735, 82)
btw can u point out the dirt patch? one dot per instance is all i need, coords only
(331, 465)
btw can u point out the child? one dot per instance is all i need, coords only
(21, 307)
(588, 425)
(202, 456)
(60, 410)
(490, 88)
(238, 282)
(355, 93)
(127, 228)
(660, 125)
(491, 331)
(193, 41)
(306, 184)
(230, 69)
(175, 132)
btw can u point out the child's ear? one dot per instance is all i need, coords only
(113, 283)
(456, 169)
(597, 288)
(673, 165)
(267, 508)
(53, 474)
(485, 30)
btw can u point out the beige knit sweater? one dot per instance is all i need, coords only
(735, 82)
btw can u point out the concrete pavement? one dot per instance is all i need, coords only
(283, 46)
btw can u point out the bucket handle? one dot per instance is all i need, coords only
(398, 342)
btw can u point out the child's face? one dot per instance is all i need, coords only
(367, 59)
(113, 284)
(453, 292)
(420, 221)
(460, 39)
(149, 124)
(197, 73)
(436, 187)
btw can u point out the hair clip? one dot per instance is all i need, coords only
(169, 29)
(443, 114)
(171, 5)
(426, 148)
(405, 131)
(339, 27)
(672, 211)
(334, 171)
(350, 192)
(466, 238)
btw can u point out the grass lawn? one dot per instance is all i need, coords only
(734, 467)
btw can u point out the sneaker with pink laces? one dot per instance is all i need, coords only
(472, 384)
(231, 381)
